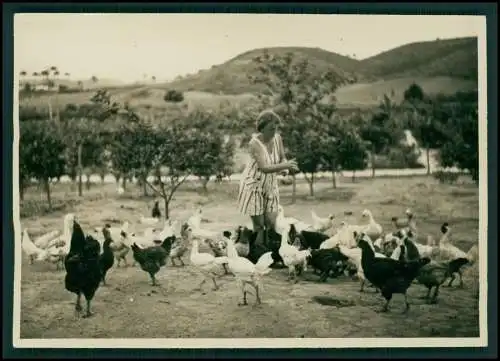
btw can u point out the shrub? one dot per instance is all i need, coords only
(173, 96)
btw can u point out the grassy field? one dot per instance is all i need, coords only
(130, 308)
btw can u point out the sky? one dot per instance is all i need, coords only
(127, 46)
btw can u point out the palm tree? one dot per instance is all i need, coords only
(94, 79)
(22, 74)
(80, 84)
(153, 78)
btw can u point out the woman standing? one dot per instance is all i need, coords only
(258, 194)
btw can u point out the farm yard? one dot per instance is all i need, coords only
(129, 307)
(141, 180)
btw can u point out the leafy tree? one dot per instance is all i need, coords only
(414, 93)
(289, 82)
(134, 151)
(178, 152)
(351, 150)
(41, 153)
(173, 96)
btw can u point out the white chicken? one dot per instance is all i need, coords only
(150, 221)
(206, 263)
(195, 220)
(246, 272)
(321, 224)
(448, 251)
(372, 229)
(169, 229)
(29, 248)
(44, 240)
(292, 257)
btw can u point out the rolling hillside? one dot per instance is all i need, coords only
(441, 66)
(450, 58)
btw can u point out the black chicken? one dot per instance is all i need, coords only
(83, 273)
(326, 261)
(272, 244)
(107, 258)
(388, 275)
(151, 259)
(155, 213)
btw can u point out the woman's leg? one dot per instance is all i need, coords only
(259, 226)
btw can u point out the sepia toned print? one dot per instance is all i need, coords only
(250, 181)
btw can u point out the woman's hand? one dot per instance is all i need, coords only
(292, 166)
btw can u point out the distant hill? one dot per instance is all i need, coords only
(73, 83)
(231, 77)
(452, 58)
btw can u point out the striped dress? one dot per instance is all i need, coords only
(258, 193)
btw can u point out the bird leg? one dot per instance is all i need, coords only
(452, 279)
(153, 279)
(461, 279)
(434, 296)
(258, 301)
(78, 305)
(172, 261)
(104, 280)
(407, 304)
(32, 258)
(215, 284)
(362, 286)
(88, 313)
(225, 269)
(182, 262)
(244, 303)
(201, 284)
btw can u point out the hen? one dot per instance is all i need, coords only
(327, 262)
(390, 276)
(83, 273)
(106, 259)
(151, 259)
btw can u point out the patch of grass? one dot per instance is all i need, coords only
(130, 308)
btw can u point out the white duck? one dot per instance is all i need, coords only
(344, 236)
(282, 223)
(44, 240)
(55, 254)
(321, 224)
(246, 272)
(372, 229)
(29, 248)
(448, 251)
(292, 257)
(206, 263)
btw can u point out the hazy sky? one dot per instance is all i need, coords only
(126, 46)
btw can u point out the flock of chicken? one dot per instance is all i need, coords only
(391, 263)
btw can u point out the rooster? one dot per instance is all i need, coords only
(83, 273)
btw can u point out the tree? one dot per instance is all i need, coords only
(414, 93)
(134, 151)
(351, 150)
(41, 153)
(291, 83)
(212, 156)
(178, 152)
(173, 96)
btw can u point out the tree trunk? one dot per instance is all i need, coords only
(80, 170)
(334, 180)
(87, 181)
(311, 185)
(144, 185)
(353, 176)
(294, 188)
(204, 182)
(166, 202)
(50, 110)
(47, 191)
(373, 163)
(428, 154)
(124, 182)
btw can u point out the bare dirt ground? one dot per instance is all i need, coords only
(129, 307)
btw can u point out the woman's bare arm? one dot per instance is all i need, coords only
(257, 153)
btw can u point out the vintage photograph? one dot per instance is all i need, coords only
(252, 180)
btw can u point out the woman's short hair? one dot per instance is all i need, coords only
(266, 117)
